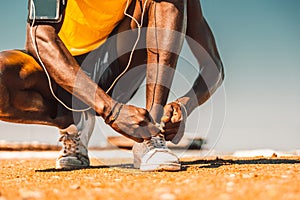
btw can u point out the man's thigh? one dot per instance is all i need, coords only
(24, 88)
(21, 71)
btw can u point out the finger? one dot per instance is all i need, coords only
(172, 132)
(153, 130)
(177, 116)
(168, 111)
(179, 134)
(143, 133)
(165, 119)
(170, 137)
(174, 136)
(133, 136)
(171, 125)
(137, 139)
(146, 132)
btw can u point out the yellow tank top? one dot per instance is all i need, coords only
(88, 23)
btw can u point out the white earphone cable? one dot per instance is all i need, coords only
(139, 25)
(41, 62)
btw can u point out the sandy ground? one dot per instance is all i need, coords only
(209, 178)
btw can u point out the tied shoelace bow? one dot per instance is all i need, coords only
(70, 143)
(156, 142)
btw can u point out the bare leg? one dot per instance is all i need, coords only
(25, 96)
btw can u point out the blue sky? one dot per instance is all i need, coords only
(259, 41)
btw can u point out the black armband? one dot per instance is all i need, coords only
(45, 11)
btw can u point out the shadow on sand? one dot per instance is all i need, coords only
(220, 162)
(201, 163)
(125, 166)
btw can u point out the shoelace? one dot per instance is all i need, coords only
(70, 143)
(156, 142)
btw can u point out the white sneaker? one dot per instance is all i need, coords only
(154, 155)
(74, 153)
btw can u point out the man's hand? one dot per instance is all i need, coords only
(174, 119)
(133, 122)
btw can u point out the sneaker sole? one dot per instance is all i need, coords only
(68, 165)
(160, 167)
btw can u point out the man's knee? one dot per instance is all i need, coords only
(4, 93)
(2, 61)
(9, 59)
(15, 68)
(3, 90)
(5, 66)
(9, 68)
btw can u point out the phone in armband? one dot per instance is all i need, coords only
(48, 11)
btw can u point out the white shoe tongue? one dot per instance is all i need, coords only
(72, 129)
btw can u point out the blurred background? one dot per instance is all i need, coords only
(258, 105)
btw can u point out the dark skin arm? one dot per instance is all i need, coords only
(164, 43)
(65, 71)
(203, 46)
(176, 113)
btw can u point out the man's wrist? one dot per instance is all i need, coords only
(114, 113)
(187, 103)
(183, 109)
(104, 108)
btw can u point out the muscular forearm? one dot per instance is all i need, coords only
(204, 86)
(164, 43)
(202, 44)
(65, 71)
(159, 80)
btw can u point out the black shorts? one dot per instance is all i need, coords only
(101, 64)
(103, 67)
